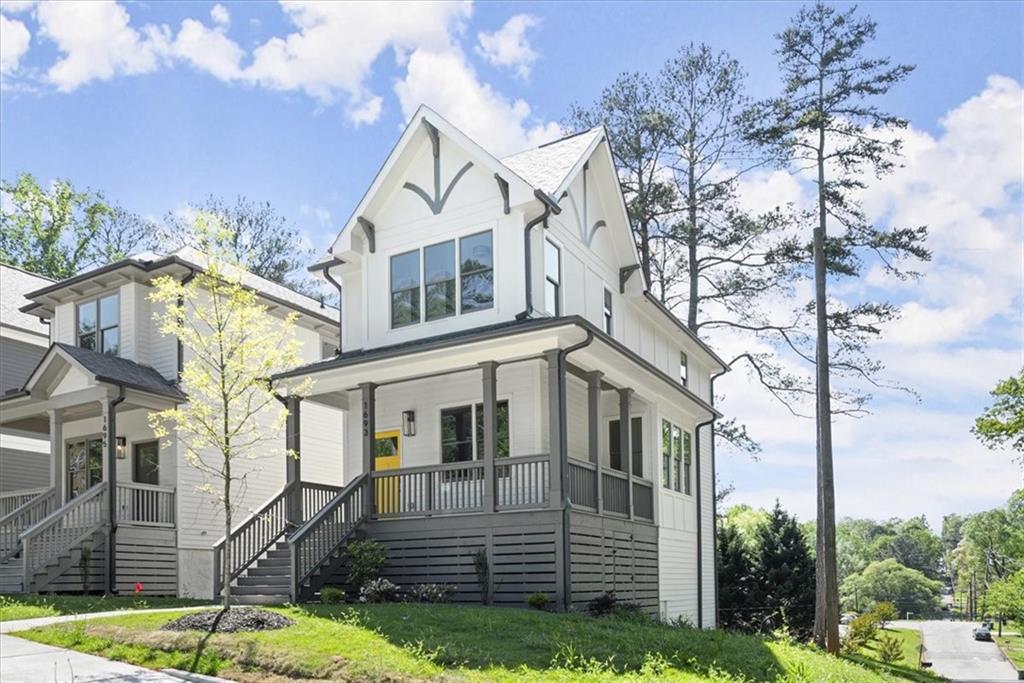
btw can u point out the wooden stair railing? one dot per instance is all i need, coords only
(315, 542)
(258, 533)
(63, 530)
(32, 508)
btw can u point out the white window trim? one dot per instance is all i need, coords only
(472, 403)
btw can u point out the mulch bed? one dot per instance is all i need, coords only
(234, 620)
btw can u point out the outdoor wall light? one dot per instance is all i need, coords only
(121, 447)
(408, 423)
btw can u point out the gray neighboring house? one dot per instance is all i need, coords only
(24, 339)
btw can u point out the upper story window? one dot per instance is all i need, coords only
(552, 278)
(441, 288)
(636, 445)
(99, 324)
(684, 372)
(676, 458)
(405, 289)
(462, 432)
(439, 274)
(608, 312)
(476, 269)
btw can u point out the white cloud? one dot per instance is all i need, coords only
(220, 15)
(509, 46)
(208, 49)
(446, 82)
(323, 215)
(16, 6)
(14, 41)
(97, 42)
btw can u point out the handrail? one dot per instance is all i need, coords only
(24, 516)
(442, 467)
(63, 529)
(251, 538)
(10, 501)
(317, 539)
(145, 504)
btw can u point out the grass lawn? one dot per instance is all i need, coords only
(14, 607)
(409, 642)
(1013, 646)
(907, 667)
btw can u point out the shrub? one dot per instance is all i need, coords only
(850, 644)
(331, 595)
(889, 649)
(864, 628)
(378, 590)
(608, 603)
(885, 612)
(483, 574)
(538, 600)
(365, 560)
(433, 592)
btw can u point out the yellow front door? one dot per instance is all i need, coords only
(388, 456)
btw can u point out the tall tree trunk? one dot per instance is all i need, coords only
(691, 248)
(826, 609)
(225, 564)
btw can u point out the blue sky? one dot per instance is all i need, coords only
(159, 104)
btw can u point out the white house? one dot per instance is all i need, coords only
(496, 333)
(86, 395)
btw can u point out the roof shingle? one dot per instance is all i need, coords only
(122, 371)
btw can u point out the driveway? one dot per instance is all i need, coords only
(955, 654)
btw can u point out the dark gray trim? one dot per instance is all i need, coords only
(624, 273)
(686, 330)
(293, 466)
(503, 189)
(110, 436)
(528, 255)
(368, 440)
(700, 517)
(325, 268)
(371, 232)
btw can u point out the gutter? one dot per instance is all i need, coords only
(325, 268)
(563, 451)
(550, 206)
(714, 514)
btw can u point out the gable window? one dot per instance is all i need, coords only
(405, 289)
(462, 432)
(636, 446)
(99, 325)
(439, 274)
(476, 271)
(552, 278)
(684, 371)
(608, 312)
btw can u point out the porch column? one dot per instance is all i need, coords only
(594, 431)
(57, 475)
(109, 408)
(369, 408)
(490, 401)
(293, 461)
(556, 426)
(626, 443)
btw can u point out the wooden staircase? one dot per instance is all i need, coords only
(267, 581)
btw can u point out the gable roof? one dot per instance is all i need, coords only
(550, 166)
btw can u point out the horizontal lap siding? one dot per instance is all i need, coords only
(23, 469)
(143, 555)
(17, 361)
(613, 555)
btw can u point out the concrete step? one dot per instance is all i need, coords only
(260, 590)
(259, 599)
(268, 580)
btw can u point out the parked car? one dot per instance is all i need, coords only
(983, 633)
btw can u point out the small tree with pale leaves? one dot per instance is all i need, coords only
(233, 345)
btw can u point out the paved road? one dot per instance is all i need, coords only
(956, 655)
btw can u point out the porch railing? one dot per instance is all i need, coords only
(145, 505)
(315, 497)
(583, 477)
(583, 484)
(318, 539)
(12, 500)
(35, 506)
(522, 482)
(63, 529)
(429, 490)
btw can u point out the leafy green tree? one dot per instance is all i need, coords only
(889, 581)
(1002, 423)
(1005, 598)
(735, 579)
(826, 121)
(783, 584)
(58, 232)
(746, 521)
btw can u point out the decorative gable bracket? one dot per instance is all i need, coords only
(624, 274)
(436, 202)
(368, 228)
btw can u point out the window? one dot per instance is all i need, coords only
(687, 487)
(439, 275)
(684, 373)
(99, 325)
(636, 446)
(462, 432)
(677, 457)
(146, 463)
(405, 289)
(552, 278)
(85, 465)
(666, 454)
(608, 312)
(476, 271)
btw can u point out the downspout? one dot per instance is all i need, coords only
(714, 515)
(325, 268)
(181, 302)
(111, 455)
(563, 449)
(550, 206)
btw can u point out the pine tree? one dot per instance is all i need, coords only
(783, 579)
(734, 579)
